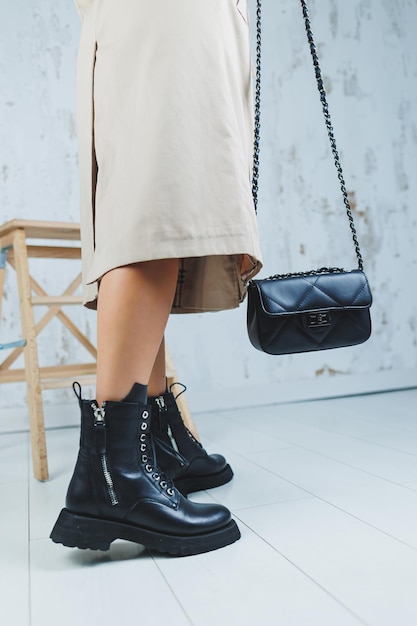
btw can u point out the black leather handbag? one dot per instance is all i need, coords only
(314, 310)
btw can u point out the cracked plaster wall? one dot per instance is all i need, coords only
(368, 53)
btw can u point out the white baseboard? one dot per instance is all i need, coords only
(63, 416)
(301, 391)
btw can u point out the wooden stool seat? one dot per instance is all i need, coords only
(15, 251)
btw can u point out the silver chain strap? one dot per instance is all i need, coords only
(327, 118)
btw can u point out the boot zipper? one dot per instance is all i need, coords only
(163, 407)
(109, 480)
(173, 442)
(100, 422)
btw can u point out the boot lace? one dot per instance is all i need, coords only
(183, 390)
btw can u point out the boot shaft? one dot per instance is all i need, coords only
(116, 463)
(179, 454)
(167, 424)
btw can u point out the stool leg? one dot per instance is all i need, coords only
(34, 392)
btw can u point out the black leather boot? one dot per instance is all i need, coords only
(179, 454)
(118, 492)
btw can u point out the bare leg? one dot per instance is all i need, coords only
(158, 381)
(133, 308)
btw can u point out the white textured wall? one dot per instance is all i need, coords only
(369, 58)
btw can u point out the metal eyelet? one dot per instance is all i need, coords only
(163, 484)
(170, 491)
(149, 468)
(143, 447)
(144, 426)
(144, 458)
(142, 437)
(145, 415)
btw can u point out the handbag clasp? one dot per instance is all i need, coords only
(318, 319)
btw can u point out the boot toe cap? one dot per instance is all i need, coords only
(186, 519)
(207, 465)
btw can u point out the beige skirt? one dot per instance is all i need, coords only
(165, 127)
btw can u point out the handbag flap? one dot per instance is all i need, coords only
(282, 296)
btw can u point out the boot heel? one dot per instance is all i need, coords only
(77, 531)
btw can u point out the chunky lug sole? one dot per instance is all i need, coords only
(190, 484)
(80, 531)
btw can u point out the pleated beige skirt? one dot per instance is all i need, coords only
(165, 127)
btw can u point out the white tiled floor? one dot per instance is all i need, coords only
(325, 494)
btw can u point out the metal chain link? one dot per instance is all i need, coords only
(257, 117)
(327, 118)
(321, 270)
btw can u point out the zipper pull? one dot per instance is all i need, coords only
(100, 427)
(161, 403)
(99, 414)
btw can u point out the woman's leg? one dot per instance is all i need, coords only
(117, 490)
(157, 381)
(133, 307)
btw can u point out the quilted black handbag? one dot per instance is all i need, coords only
(317, 311)
(314, 310)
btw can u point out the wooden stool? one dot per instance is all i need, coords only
(15, 251)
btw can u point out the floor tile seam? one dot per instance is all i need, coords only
(155, 558)
(350, 466)
(261, 432)
(362, 521)
(30, 501)
(405, 422)
(324, 456)
(405, 485)
(29, 576)
(219, 500)
(27, 538)
(394, 427)
(385, 447)
(318, 430)
(414, 482)
(311, 494)
(29, 573)
(293, 444)
(227, 448)
(260, 506)
(29, 469)
(244, 421)
(315, 582)
(17, 431)
(27, 462)
(369, 441)
(37, 538)
(288, 421)
(9, 483)
(339, 508)
(333, 431)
